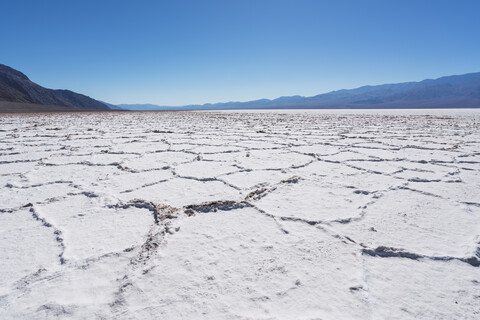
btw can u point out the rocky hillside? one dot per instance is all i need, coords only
(16, 87)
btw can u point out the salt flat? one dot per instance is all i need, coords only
(334, 214)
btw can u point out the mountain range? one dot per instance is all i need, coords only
(459, 91)
(19, 93)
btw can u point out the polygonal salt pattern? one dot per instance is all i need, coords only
(240, 214)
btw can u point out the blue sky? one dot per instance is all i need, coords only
(185, 52)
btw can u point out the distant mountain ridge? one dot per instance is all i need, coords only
(459, 91)
(17, 88)
(19, 93)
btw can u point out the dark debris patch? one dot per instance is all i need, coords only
(388, 252)
(214, 206)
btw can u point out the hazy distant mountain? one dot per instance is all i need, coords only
(146, 107)
(15, 87)
(447, 92)
(111, 106)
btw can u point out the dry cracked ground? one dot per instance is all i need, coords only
(240, 215)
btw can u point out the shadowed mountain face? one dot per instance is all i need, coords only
(16, 87)
(447, 92)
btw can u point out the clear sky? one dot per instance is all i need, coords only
(183, 52)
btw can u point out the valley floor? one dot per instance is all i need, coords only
(240, 215)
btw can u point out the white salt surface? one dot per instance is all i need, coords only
(285, 214)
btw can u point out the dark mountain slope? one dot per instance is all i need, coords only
(16, 87)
